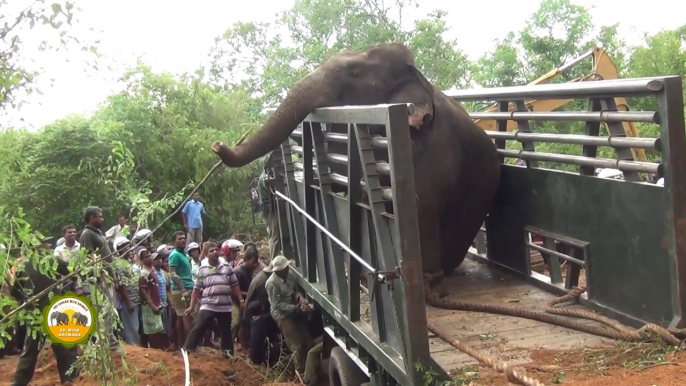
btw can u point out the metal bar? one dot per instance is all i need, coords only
(354, 226)
(590, 148)
(387, 261)
(595, 89)
(632, 166)
(293, 192)
(297, 149)
(553, 262)
(329, 215)
(578, 139)
(671, 107)
(381, 167)
(360, 332)
(343, 180)
(556, 254)
(326, 232)
(309, 175)
(409, 296)
(575, 61)
(615, 129)
(336, 158)
(566, 116)
(524, 128)
(369, 115)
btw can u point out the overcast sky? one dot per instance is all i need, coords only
(176, 36)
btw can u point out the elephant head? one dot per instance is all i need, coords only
(380, 74)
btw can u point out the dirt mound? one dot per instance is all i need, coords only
(150, 367)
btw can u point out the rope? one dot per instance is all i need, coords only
(619, 332)
(512, 375)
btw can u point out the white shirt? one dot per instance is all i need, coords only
(63, 252)
(114, 232)
(205, 262)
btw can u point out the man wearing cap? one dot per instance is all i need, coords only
(193, 250)
(144, 235)
(229, 252)
(288, 308)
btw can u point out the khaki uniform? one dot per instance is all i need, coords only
(292, 323)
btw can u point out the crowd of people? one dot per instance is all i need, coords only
(180, 295)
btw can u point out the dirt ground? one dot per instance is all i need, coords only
(625, 364)
(152, 367)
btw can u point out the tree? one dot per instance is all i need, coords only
(315, 30)
(137, 155)
(559, 31)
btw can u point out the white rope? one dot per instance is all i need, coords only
(187, 366)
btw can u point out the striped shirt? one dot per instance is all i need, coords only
(215, 284)
(163, 286)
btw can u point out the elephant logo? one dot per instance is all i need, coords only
(59, 318)
(69, 319)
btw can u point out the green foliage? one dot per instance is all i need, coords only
(246, 55)
(139, 155)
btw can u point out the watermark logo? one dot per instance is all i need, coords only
(69, 319)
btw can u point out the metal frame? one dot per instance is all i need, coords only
(327, 225)
(602, 108)
(386, 346)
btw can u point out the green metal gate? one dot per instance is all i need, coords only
(627, 236)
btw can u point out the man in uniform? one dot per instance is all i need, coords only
(289, 310)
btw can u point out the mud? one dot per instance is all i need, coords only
(614, 365)
(150, 367)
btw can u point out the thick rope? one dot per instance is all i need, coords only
(512, 375)
(619, 332)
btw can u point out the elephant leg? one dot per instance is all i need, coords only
(429, 235)
(459, 226)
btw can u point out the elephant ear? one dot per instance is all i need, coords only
(430, 90)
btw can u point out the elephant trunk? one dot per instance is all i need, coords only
(302, 99)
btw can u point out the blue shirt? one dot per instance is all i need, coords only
(194, 211)
(163, 286)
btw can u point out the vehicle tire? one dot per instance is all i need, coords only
(343, 371)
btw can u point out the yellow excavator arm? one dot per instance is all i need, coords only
(603, 69)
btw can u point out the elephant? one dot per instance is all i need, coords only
(59, 318)
(81, 319)
(456, 164)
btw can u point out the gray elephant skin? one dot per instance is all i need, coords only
(59, 318)
(457, 168)
(79, 319)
